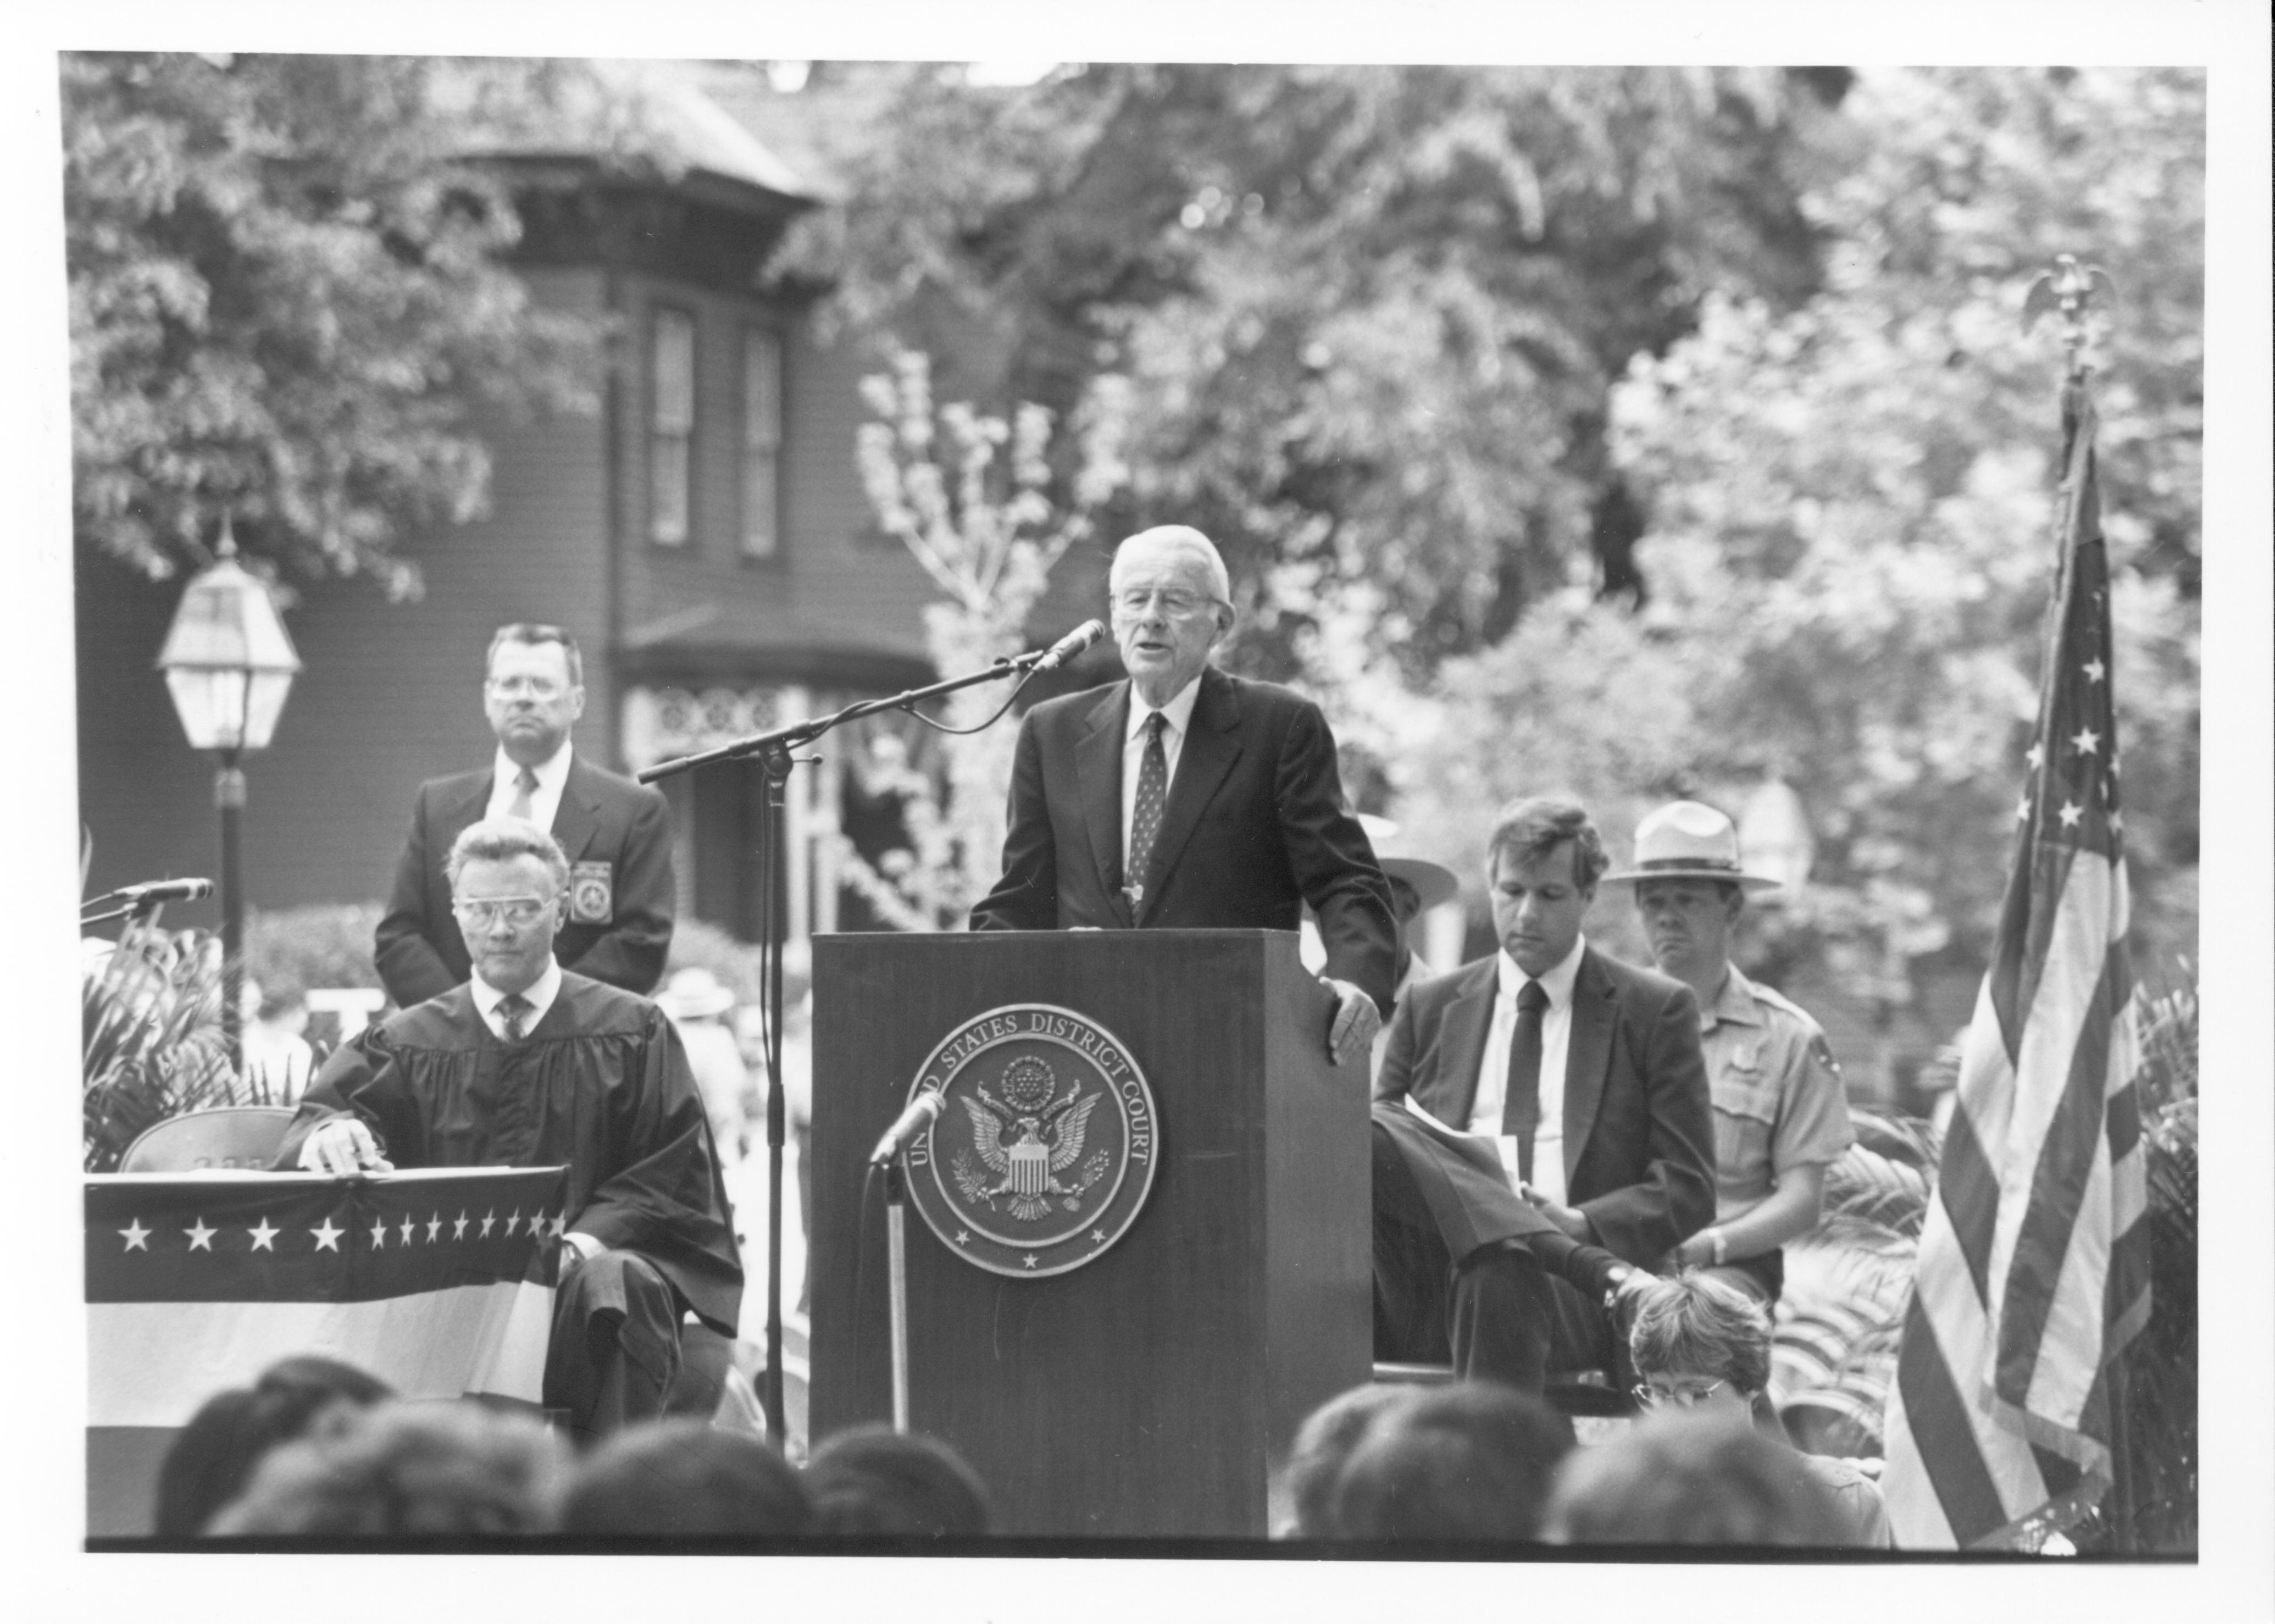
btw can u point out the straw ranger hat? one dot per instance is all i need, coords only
(1685, 840)
(1433, 882)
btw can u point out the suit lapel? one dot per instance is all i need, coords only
(1462, 1042)
(576, 817)
(1210, 750)
(1587, 1055)
(1097, 768)
(464, 808)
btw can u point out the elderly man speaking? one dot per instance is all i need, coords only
(1186, 798)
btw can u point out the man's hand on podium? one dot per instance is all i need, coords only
(340, 1146)
(1350, 1035)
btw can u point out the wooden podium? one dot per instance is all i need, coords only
(1152, 1389)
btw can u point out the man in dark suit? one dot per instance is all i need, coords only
(1543, 1131)
(616, 834)
(1186, 798)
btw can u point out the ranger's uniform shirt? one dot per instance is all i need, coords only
(1778, 1099)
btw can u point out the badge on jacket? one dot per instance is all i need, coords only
(592, 893)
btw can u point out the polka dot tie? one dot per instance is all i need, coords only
(1146, 821)
(513, 1009)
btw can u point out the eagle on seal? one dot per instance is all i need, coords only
(1028, 1142)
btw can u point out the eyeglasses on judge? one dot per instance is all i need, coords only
(1673, 1398)
(1175, 602)
(518, 911)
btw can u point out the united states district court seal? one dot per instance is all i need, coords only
(1046, 1146)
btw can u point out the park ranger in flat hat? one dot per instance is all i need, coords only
(1780, 1110)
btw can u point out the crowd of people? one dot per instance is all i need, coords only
(318, 1449)
(1578, 1164)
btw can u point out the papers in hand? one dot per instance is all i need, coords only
(1490, 1154)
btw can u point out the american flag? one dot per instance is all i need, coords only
(2033, 1268)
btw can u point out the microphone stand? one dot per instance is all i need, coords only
(772, 749)
(896, 1283)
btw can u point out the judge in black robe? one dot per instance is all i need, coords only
(600, 1082)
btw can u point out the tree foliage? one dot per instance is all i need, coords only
(968, 494)
(287, 303)
(1372, 315)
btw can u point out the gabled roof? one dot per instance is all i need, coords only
(638, 111)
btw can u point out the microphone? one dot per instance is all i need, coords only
(923, 1112)
(1068, 646)
(165, 891)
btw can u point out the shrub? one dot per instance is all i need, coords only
(151, 1040)
(327, 944)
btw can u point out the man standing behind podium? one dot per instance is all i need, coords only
(617, 833)
(531, 1065)
(1588, 1074)
(1186, 798)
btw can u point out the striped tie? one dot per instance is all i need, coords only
(513, 1008)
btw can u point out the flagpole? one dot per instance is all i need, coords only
(2032, 1270)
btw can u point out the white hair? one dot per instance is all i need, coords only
(1182, 539)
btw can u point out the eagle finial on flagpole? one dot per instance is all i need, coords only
(2066, 289)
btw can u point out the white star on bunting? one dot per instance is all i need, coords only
(458, 1229)
(264, 1235)
(328, 1238)
(201, 1237)
(512, 1220)
(433, 1228)
(488, 1218)
(2022, 809)
(2086, 743)
(378, 1235)
(1029, 1260)
(2071, 812)
(409, 1224)
(2094, 671)
(2035, 755)
(962, 1236)
(1098, 1234)
(137, 1238)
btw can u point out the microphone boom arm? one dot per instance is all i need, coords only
(797, 733)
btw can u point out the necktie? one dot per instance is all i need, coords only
(1520, 1106)
(1145, 820)
(524, 786)
(513, 1009)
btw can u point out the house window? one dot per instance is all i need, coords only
(671, 426)
(762, 415)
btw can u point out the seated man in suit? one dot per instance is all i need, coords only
(1542, 1130)
(529, 1065)
(1186, 798)
(617, 834)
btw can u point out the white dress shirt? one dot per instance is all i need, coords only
(1555, 1045)
(1179, 711)
(545, 800)
(541, 994)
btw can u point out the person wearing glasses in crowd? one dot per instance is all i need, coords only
(617, 833)
(1183, 798)
(528, 1064)
(1702, 1343)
